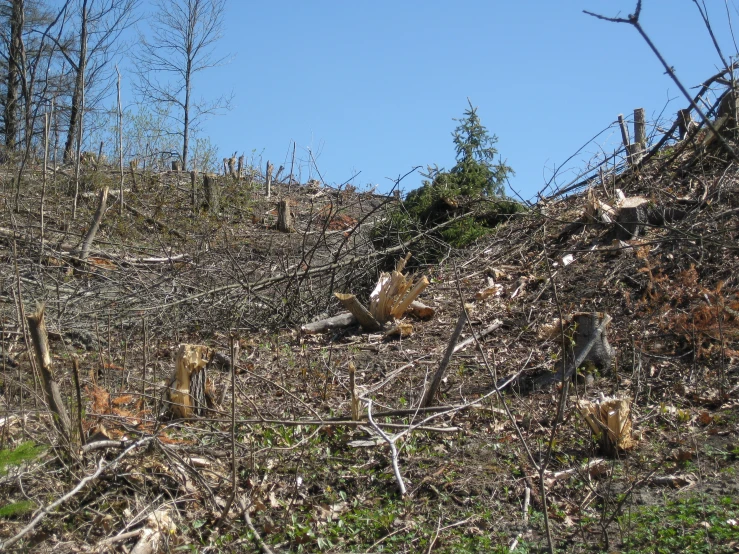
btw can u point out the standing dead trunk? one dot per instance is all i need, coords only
(194, 189)
(232, 166)
(284, 216)
(212, 192)
(240, 170)
(268, 178)
(52, 394)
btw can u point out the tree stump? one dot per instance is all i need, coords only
(232, 166)
(685, 123)
(240, 170)
(601, 352)
(632, 217)
(591, 345)
(212, 192)
(52, 393)
(284, 216)
(176, 166)
(194, 189)
(188, 389)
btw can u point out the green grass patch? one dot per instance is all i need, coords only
(695, 524)
(16, 509)
(25, 452)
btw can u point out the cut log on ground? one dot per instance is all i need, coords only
(340, 321)
(188, 390)
(52, 394)
(610, 421)
(421, 310)
(591, 345)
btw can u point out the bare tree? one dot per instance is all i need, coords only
(101, 23)
(15, 47)
(183, 35)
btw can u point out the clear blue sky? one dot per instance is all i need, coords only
(373, 86)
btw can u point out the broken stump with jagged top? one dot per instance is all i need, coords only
(189, 392)
(392, 298)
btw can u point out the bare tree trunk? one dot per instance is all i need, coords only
(268, 178)
(37, 328)
(14, 68)
(75, 119)
(120, 140)
(186, 115)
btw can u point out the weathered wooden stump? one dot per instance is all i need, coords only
(211, 192)
(176, 166)
(284, 216)
(591, 345)
(240, 170)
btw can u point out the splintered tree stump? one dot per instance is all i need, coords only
(176, 166)
(284, 216)
(232, 166)
(52, 394)
(610, 420)
(188, 390)
(591, 345)
(212, 192)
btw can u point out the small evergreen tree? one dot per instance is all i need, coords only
(475, 185)
(476, 171)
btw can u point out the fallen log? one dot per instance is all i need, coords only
(340, 321)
